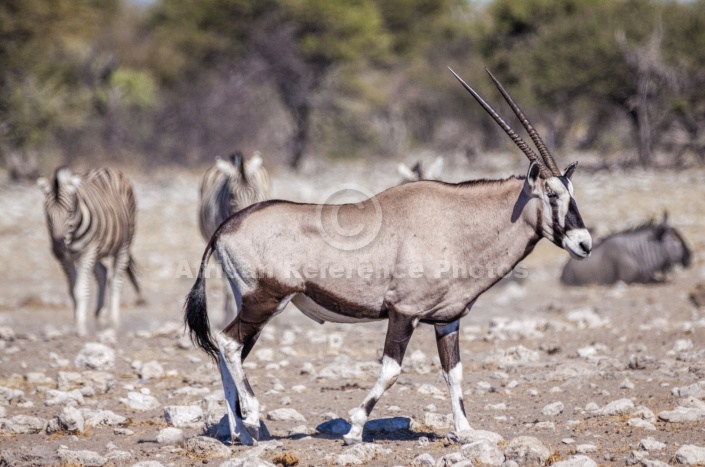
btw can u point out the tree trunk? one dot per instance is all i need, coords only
(643, 121)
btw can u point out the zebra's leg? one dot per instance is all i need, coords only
(122, 260)
(449, 353)
(399, 331)
(84, 268)
(132, 275)
(101, 276)
(70, 270)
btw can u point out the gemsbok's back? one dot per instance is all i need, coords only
(417, 253)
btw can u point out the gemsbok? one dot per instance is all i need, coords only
(91, 218)
(416, 253)
(231, 184)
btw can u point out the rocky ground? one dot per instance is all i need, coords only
(553, 375)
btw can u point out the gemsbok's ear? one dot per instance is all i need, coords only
(568, 172)
(532, 178)
(406, 173)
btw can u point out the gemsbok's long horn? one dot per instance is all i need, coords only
(543, 150)
(525, 148)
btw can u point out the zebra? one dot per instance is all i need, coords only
(228, 186)
(417, 172)
(643, 254)
(91, 218)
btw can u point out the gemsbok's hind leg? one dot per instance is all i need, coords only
(237, 429)
(229, 309)
(399, 331)
(449, 353)
(235, 343)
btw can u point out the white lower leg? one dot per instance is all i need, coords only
(387, 376)
(454, 379)
(80, 294)
(249, 405)
(115, 292)
(122, 260)
(237, 430)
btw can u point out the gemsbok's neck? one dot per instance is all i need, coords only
(502, 220)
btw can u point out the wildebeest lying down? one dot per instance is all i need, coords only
(640, 255)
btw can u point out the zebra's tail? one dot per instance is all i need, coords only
(195, 312)
(132, 275)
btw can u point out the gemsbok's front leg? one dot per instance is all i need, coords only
(449, 353)
(399, 331)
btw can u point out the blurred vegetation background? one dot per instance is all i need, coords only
(155, 82)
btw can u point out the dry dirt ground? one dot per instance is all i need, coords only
(524, 346)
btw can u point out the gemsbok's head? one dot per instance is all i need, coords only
(560, 222)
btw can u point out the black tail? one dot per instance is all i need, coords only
(195, 312)
(132, 275)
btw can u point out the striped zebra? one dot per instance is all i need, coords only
(644, 254)
(228, 186)
(91, 218)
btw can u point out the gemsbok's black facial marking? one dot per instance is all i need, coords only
(556, 225)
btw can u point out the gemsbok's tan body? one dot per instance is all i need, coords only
(417, 253)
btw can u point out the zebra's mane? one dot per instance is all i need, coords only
(62, 175)
(56, 185)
